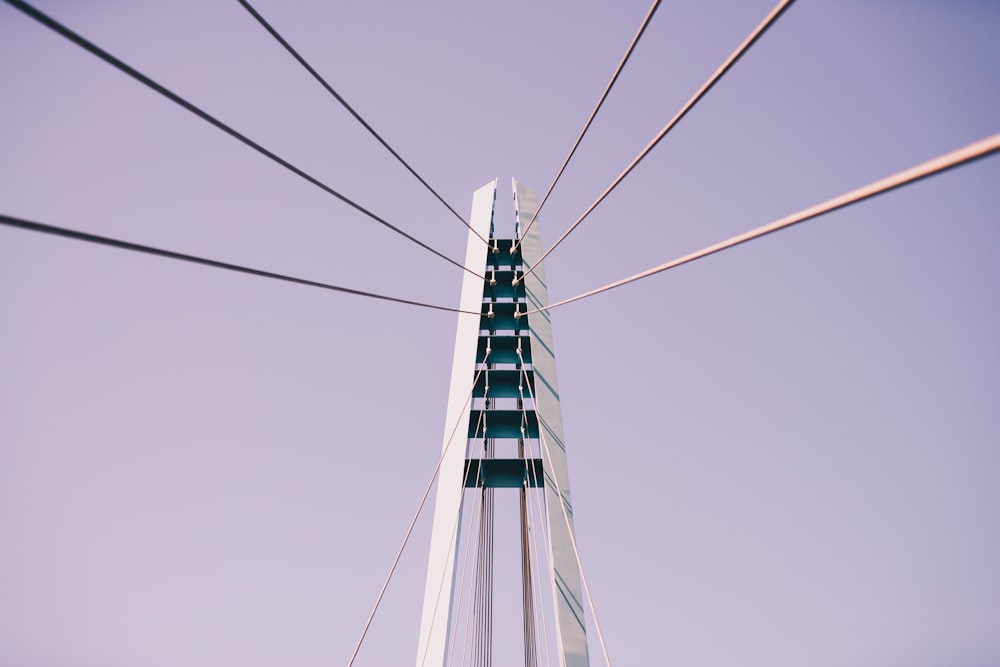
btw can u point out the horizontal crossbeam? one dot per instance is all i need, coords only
(503, 423)
(503, 473)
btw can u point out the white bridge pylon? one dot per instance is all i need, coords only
(504, 391)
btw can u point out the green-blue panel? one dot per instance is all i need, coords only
(503, 473)
(504, 246)
(504, 384)
(503, 349)
(503, 423)
(503, 316)
(503, 287)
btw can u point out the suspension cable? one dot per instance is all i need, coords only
(761, 28)
(956, 158)
(483, 644)
(452, 544)
(150, 250)
(485, 637)
(569, 526)
(461, 589)
(593, 114)
(316, 75)
(527, 590)
(79, 40)
(531, 482)
(454, 533)
(416, 515)
(539, 512)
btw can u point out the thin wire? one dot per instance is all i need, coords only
(539, 510)
(454, 534)
(488, 537)
(569, 530)
(409, 531)
(77, 39)
(956, 158)
(461, 588)
(527, 580)
(527, 590)
(540, 514)
(483, 648)
(150, 250)
(540, 535)
(473, 532)
(531, 471)
(467, 637)
(593, 114)
(769, 20)
(475, 590)
(569, 527)
(533, 548)
(479, 608)
(302, 61)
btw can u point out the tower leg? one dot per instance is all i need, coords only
(435, 621)
(564, 569)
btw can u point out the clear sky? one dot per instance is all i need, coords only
(786, 454)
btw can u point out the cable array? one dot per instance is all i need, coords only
(476, 616)
(752, 38)
(476, 518)
(958, 157)
(593, 114)
(416, 515)
(481, 589)
(316, 75)
(531, 481)
(452, 542)
(569, 526)
(482, 647)
(81, 41)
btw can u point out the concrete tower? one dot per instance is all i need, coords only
(504, 398)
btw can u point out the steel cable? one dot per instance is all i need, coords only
(416, 515)
(593, 114)
(452, 545)
(761, 28)
(316, 75)
(569, 527)
(159, 252)
(81, 41)
(956, 158)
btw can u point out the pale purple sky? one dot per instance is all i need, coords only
(787, 454)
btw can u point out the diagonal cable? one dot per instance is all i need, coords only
(150, 250)
(956, 158)
(81, 41)
(569, 526)
(453, 543)
(465, 568)
(316, 75)
(761, 28)
(593, 114)
(416, 515)
(531, 481)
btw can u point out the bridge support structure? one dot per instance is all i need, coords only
(504, 394)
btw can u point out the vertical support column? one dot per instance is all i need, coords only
(565, 573)
(435, 622)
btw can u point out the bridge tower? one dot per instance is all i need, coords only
(504, 398)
